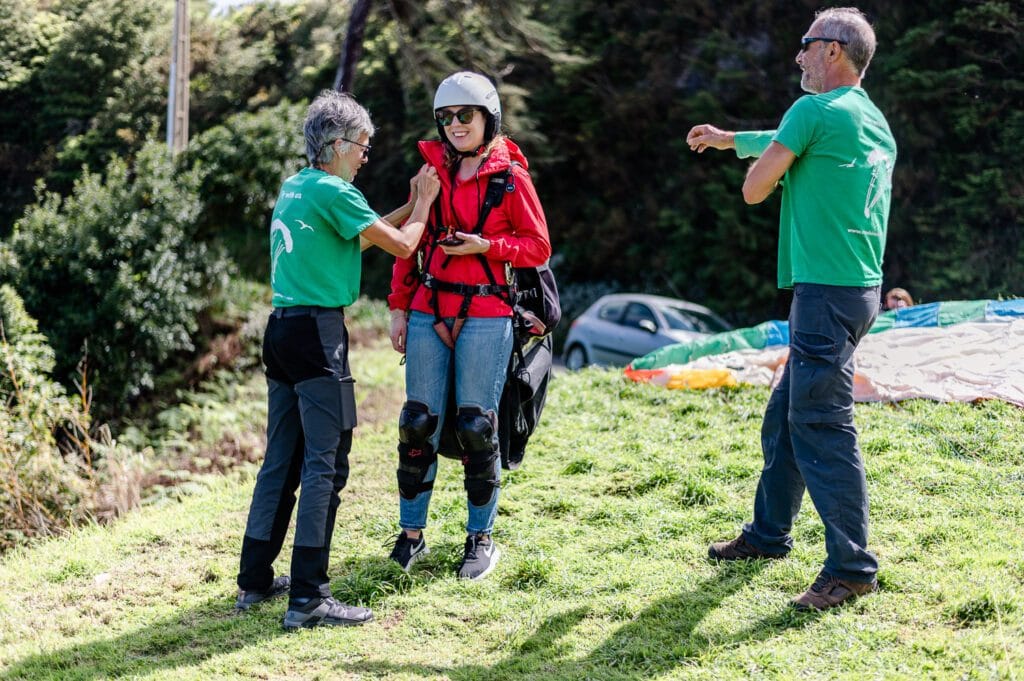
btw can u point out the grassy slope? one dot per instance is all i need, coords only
(604, 575)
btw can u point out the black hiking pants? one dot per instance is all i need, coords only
(311, 414)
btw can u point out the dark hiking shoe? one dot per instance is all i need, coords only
(306, 613)
(407, 551)
(829, 591)
(479, 558)
(739, 549)
(247, 599)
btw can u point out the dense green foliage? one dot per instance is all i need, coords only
(117, 272)
(600, 94)
(41, 488)
(53, 472)
(952, 88)
(241, 164)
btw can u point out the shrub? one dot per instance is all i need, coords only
(41, 488)
(52, 472)
(241, 165)
(114, 271)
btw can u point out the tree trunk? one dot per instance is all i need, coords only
(353, 47)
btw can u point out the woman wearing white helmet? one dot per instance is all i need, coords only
(450, 313)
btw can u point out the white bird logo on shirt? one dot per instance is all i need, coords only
(281, 242)
(303, 225)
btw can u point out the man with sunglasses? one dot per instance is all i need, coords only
(833, 153)
(320, 224)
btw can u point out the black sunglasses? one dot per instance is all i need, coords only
(806, 42)
(465, 116)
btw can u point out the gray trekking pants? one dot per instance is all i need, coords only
(808, 437)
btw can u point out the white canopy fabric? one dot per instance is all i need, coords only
(960, 363)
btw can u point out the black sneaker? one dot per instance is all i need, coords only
(480, 557)
(306, 613)
(247, 599)
(407, 551)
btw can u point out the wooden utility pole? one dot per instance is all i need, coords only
(177, 97)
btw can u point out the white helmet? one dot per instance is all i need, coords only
(466, 87)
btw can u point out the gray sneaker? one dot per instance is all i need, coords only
(480, 557)
(407, 551)
(247, 599)
(306, 613)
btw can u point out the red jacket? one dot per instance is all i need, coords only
(516, 229)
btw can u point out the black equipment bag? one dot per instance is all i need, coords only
(537, 306)
(522, 401)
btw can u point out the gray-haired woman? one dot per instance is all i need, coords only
(320, 224)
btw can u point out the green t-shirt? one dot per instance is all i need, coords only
(315, 257)
(836, 195)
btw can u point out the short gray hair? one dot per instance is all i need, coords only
(851, 26)
(331, 116)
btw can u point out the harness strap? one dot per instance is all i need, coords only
(433, 283)
(497, 185)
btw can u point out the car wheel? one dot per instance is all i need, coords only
(576, 358)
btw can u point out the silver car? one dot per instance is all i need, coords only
(623, 326)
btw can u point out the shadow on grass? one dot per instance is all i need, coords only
(191, 636)
(651, 644)
(185, 639)
(654, 642)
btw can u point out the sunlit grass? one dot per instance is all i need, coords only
(604, 533)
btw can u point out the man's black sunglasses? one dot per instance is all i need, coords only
(465, 116)
(805, 42)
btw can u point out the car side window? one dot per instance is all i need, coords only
(680, 320)
(709, 324)
(637, 313)
(612, 312)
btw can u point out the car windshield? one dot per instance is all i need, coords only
(691, 320)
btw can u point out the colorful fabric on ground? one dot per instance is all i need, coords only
(763, 335)
(949, 351)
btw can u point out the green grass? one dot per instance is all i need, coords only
(604, 532)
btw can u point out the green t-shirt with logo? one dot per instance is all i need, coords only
(836, 195)
(315, 257)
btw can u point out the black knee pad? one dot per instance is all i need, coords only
(413, 466)
(481, 468)
(478, 436)
(415, 453)
(416, 424)
(476, 430)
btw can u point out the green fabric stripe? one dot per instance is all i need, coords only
(960, 311)
(681, 353)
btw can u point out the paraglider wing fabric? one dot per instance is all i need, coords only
(961, 363)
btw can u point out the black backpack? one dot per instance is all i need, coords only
(536, 311)
(533, 293)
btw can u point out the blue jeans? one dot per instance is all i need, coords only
(808, 437)
(480, 364)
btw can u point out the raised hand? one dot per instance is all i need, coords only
(428, 184)
(703, 136)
